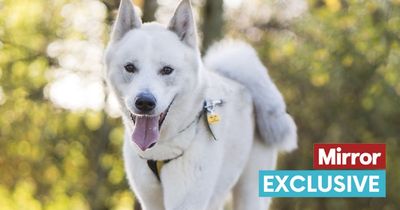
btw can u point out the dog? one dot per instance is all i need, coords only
(196, 130)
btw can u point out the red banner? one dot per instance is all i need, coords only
(349, 156)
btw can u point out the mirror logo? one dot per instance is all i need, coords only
(362, 174)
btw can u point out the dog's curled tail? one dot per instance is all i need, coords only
(239, 61)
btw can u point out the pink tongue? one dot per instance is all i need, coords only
(146, 131)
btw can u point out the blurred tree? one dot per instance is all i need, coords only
(50, 158)
(149, 10)
(212, 27)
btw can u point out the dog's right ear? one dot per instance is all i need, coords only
(127, 19)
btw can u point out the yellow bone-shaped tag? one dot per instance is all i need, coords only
(213, 118)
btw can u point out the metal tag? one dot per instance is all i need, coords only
(212, 116)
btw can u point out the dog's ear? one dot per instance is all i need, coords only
(183, 24)
(127, 19)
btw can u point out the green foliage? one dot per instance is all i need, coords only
(50, 158)
(338, 69)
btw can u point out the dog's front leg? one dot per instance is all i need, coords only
(189, 182)
(142, 180)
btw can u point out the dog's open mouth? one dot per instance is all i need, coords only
(160, 120)
(147, 128)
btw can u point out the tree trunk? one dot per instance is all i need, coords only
(149, 10)
(212, 22)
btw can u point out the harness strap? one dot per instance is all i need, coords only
(155, 166)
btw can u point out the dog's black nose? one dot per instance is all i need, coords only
(145, 102)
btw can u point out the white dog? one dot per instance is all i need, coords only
(213, 125)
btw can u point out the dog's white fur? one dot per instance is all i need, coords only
(207, 170)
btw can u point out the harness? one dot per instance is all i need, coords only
(156, 165)
(208, 110)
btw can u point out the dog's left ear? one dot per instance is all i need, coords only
(183, 24)
(127, 20)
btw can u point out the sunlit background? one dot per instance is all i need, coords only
(336, 62)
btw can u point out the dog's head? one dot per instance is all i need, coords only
(149, 66)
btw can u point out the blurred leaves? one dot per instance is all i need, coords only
(50, 158)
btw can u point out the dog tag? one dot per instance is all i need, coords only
(213, 118)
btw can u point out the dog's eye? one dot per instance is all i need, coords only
(166, 70)
(130, 68)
